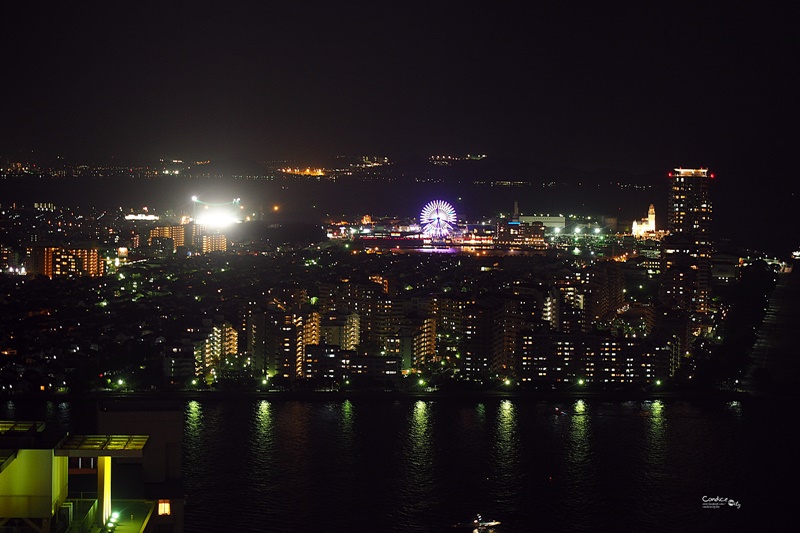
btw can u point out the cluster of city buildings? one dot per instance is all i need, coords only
(52, 241)
(547, 303)
(540, 327)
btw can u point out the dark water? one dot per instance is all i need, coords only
(412, 465)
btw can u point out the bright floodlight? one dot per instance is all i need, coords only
(217, 218)
(438, 219)
(217, 215)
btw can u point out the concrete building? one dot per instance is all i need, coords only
(38, 464)
(640, 228)
(277, 341)
(57, 261)
(557, 358)
(181, 235)
(689, 224)
(341, 329)
(212, 352)
(213, 243)
(521, 234)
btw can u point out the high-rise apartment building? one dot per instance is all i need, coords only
(214, 243)
(340, 329)
(176, 233)
(211, 353)
(275, 343)
(688, 246)
(181, 235)
(57, 261)
(689, 208)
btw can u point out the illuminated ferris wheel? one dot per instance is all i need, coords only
(438, 219)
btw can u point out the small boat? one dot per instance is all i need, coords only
(479, 525)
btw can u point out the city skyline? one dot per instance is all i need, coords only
(626, 92)
(442, 298)
(498, 298)
(400, 190)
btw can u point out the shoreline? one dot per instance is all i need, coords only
(543, 396)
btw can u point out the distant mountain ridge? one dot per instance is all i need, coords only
(488, 169)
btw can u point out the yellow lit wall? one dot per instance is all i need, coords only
(33, 485)
(104, 487)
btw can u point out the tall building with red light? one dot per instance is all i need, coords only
(686, 252)
(689, 210)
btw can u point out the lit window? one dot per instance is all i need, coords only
(163, 507)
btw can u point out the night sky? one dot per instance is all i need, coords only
(637, 87)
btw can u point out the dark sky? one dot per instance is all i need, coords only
(630, 86)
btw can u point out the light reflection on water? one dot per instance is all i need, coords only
(262, 447)
(415, 482)
(414, 465)
(9, 408)
(505, 456)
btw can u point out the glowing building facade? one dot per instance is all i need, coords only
(181, 235)
(211, 353)
(647, 225)
(522, 234)
(276, 342)
(686, 252)
(569, 359)
(56, 261)
(36, 463)
(340, 329)
(214, 243)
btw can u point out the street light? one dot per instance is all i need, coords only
(194, 209)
